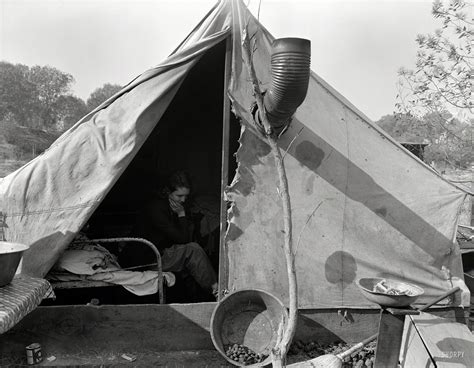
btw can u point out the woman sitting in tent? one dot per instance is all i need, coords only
(165, 222)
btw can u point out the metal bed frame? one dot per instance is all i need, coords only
(90, 283)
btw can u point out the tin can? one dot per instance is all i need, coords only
(33, 354)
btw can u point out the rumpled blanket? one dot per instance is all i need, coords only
(96, 263)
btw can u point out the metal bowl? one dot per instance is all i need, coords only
(412, 292)
(250, 318)
(10, 256)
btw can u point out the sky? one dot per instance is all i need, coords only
(357, 46)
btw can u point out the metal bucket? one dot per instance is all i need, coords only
(10, 256)
(250, 318)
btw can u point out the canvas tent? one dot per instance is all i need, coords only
(361, 205)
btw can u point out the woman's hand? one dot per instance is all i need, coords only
(177, 207)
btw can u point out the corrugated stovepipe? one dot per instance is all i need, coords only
(290, 63)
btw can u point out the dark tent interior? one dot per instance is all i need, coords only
(188, 137)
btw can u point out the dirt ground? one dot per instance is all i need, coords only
(178, 359)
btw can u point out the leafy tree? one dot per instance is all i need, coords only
(101, 94)
(70, 110)
(18, 95)
(438, 90)
(30, 96)
(450, 140)
(441, 79)
(405, 128)
(35, 105)
(453, 149)
(51, 84)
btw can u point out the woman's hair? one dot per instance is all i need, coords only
(179, 179)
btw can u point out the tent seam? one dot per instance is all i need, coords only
(37, 212)
(345, 206)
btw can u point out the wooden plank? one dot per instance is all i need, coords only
(454, 314)
(450, 343)
(351, 325)
(413, 352)
(223, 262)
(401, 311)
(80, 284)
(389, 340)
(165, 328)
(145, 327)
(71, 329)
(330, 325)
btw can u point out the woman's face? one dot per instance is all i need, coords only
(180, 194)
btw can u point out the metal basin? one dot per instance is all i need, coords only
(10, 256)
(250, 318)
(411, 292)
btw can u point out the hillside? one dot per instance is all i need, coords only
(19, 144)
(8, 161)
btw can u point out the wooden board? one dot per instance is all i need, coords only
(413, 352)
(352, 325)
(153, 327)
(389, 339)
(107, 330)
(449, 343)
(329, 325)
(223, 253)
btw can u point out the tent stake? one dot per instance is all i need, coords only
(284, 340)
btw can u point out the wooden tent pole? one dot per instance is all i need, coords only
(223, 252)
(284, 341)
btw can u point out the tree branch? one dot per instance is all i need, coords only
(280, 350)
